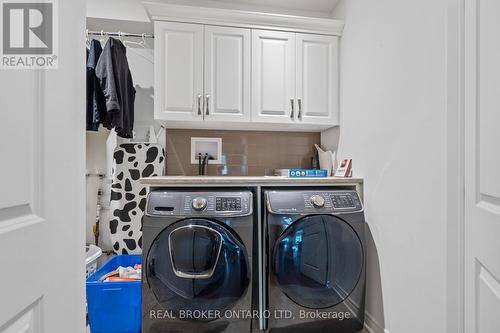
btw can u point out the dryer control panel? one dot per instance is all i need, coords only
(207, 204)
(307, 202)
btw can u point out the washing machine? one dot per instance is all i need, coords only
(315, 258)
(197, 261)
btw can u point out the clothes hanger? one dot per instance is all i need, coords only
(102, 37)
(141, 43)
(87, 39)
(143, 40)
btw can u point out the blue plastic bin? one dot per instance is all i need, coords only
(114, 307)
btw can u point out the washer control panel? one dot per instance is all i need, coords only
(333, 201)
(199, 203)
(344, 201)
(318, 201)
(176, 203)
(315, 200)
(228, 204)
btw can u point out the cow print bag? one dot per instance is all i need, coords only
(131, 161)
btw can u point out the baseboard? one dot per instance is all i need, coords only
(372, 326)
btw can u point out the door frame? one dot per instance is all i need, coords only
(455, 176)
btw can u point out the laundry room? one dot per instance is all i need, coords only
(233, 166)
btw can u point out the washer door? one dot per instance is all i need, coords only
(318, 260)
(197, 264)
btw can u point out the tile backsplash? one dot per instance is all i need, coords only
(244, 153)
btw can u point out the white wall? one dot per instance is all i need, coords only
(393, 125)
(133, 10)
(130, 10)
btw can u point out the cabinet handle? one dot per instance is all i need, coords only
(207, 111)
(299, 115)
(291, 113)
(199, 105)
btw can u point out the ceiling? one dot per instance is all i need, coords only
(299, 5)
(315, 8)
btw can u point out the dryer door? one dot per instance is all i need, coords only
(197, 264)
(318, 261)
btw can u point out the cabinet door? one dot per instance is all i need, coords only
(178, 71)
(273, 76)
(317, 79)
(227, 74)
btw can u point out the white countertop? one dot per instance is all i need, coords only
(244, 180)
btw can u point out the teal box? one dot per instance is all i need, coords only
(307, 173)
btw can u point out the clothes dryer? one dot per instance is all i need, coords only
(197, 261)
(315, 261)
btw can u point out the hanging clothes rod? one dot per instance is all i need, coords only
(118, 34)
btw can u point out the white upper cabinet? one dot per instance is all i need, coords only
(227, 74)
(317, 79)
(219, 70)
(178, 71)
(273, 76)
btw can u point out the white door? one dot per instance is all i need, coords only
(273, 76)
(42, 186)
(178, 71)
(317, 79)
(482, 169)
(227, 74)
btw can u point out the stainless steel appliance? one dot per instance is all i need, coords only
(315, 260)
(197, 261)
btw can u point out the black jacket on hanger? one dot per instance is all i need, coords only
(116, 83)
(96, 105)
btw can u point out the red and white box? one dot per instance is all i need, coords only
(344, 169)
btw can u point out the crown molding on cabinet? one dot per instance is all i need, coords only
(159, 11)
